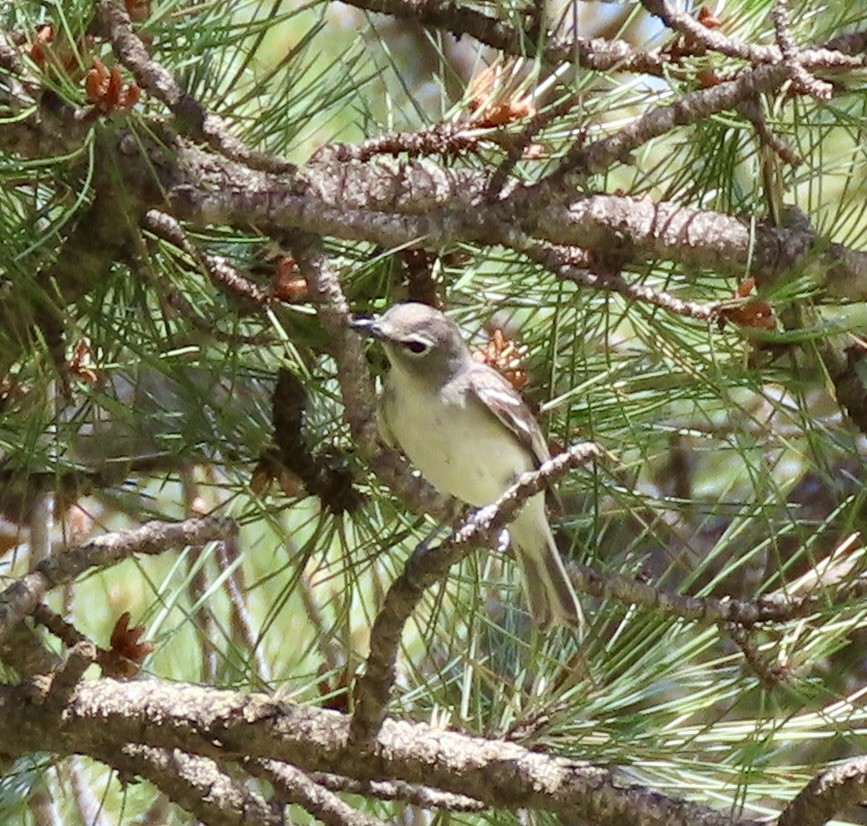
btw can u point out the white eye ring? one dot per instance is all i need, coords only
(416, 346)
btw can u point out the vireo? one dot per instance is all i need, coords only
(470, 434)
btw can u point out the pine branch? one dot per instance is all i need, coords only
(106, 716)
(22, 596)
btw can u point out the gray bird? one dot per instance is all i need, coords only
(470, 434)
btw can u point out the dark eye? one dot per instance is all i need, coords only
(416, 346)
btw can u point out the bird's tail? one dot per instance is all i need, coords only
(552, 598)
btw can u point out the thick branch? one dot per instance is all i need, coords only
(643, 230)
(36, 124)
(827, 794)
(105, 714)
(421, 204)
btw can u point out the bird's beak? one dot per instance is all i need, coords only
(366, 326)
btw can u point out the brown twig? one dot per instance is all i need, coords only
(325, 472)
(65, 631)
(22, 596)
(774, 608)
(770, 674)
(849, 385)
(851, 43)
(710, 38)
(440, 139)
(803, 81)
(752, 111)
(579, 267)
(422, 796)
(292, 785)
(190, 116)
(65, 679)
(221, 272)
(601, 55)
(838, 53)
(583, 160)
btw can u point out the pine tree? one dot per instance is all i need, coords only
(220, 581)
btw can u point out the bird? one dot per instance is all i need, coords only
(471, 435)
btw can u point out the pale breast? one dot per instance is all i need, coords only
(460, 449)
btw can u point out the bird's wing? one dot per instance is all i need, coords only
(500, 398)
